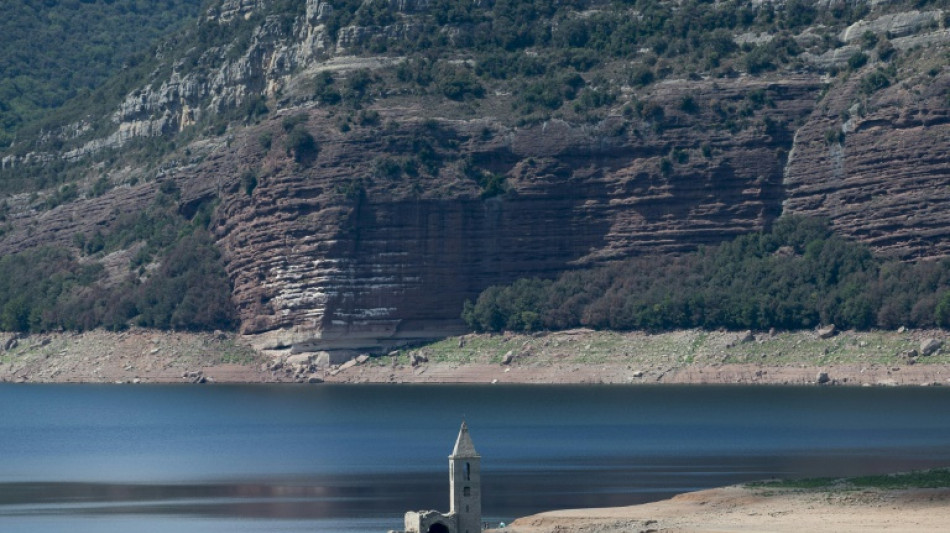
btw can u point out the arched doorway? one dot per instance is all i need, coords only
(438, 528)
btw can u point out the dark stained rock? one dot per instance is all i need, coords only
(930, 346)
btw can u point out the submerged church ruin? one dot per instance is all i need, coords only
(465, 488)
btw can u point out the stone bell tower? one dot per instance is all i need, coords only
(465, 487)
(465, 480)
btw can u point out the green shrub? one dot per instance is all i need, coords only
(796, 276)
(688, 104)
(357, 86)
(942, 311)
(834, 136)
(325, 91)
(874, 82)
(459, 83)
(249, 182)
(857, 60)
(641, 76)
(758, 60)
(301, 145)
(266, 139)
(885, 50)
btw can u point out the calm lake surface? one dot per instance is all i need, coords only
(84, 458)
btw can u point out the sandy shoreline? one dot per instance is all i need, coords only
(576, 356)
(743, 508)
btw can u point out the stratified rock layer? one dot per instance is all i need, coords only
(333, 254)
(379, 234)
(878, 166)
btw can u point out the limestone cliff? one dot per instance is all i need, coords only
(409, 204)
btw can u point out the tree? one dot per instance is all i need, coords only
(301, 145)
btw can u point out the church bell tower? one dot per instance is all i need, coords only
(465, 482)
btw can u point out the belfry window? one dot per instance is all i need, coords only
(468, 471)
(467, 491)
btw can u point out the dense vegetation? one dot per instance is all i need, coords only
(54, 50)
(176, 278)
(798, 275)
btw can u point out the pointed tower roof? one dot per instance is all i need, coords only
(463, 444)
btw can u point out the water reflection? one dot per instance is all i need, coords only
(507, 492)
(338, 459)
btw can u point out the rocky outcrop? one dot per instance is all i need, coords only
(391, 259)
(930, 346)
(336, 252)
(875, 163)
(228, 10)
(894, 25)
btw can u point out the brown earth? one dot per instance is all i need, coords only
(575, 356)
(136, 356)
(743, 508)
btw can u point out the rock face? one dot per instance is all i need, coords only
(876, 164)
(394, 257)
(334, 253)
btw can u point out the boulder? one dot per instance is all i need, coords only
(745, 337)
(417, 359)
(300, 363)
(11, 344)
(827, 332)
(362, 359)
(347, 365)
(314, 379)
(300, 359)
(638, 374)
(508, 358)
(822, 378)
(930, 346)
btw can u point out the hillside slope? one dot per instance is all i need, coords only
(365, 166)
(53, 51)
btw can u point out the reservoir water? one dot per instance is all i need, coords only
(85, 458)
